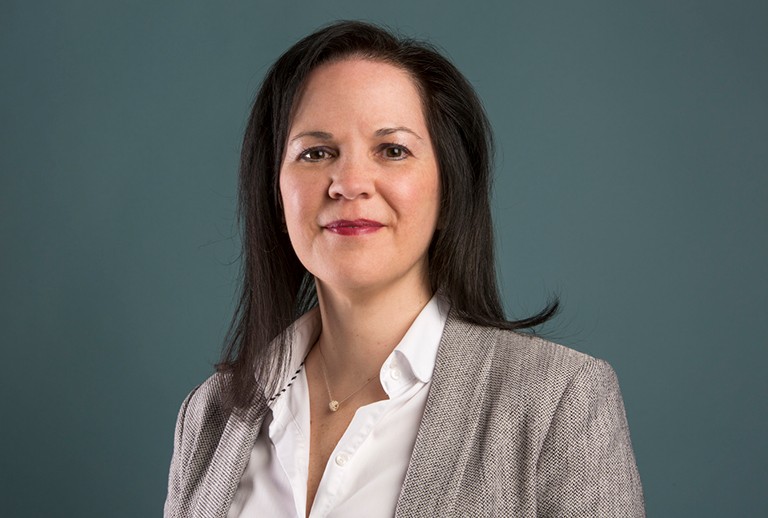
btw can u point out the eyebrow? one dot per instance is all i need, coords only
(383, 132)
(322, 135)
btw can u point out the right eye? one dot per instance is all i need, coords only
(315, 154)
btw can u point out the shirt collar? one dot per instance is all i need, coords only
(418, 348)
(303, 334)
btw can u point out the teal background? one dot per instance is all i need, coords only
(633, 141)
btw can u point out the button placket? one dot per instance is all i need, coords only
(342, 459)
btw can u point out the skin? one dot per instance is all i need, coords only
(358, 147)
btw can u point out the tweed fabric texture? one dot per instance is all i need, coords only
(513, 426)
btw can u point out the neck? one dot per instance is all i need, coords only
(360, 330)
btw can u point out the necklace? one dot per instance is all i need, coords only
(334, 404)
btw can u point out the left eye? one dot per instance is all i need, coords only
(395, 152)
(315, 154)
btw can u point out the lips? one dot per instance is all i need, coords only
(345, 227)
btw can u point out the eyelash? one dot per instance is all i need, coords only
(304, 155)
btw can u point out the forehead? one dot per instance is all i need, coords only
(367, 91)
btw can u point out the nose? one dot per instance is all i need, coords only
(352, 178)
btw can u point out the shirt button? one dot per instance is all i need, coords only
(342, 459)
(394, 374)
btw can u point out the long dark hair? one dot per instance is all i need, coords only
(276, 288)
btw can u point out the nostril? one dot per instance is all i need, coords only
(350, 187)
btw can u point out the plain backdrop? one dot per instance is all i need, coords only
(631, 179)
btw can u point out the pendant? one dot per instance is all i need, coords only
(333, 405)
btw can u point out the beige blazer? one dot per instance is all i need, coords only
(513, 426)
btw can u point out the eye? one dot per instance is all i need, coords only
(394, 151)
(315, 154)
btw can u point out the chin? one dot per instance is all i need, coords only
(370, 277)
(352, 281)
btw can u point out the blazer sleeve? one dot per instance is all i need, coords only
(586, 467)
(175, 479)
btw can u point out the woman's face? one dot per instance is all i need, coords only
(359, 180)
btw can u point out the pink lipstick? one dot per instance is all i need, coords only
(345, 227)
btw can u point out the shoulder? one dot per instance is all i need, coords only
(199, 427)
(537, 354)
(554, 379)
(205, 403)
(550, 419)
(518, 367)
(201, 420)
(545, 366)
(519, 378)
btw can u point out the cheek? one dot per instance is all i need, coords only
(296, 215)
(294, 198)
(302, 204)
(283, 189)
(422, 198)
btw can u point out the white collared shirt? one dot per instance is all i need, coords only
(366, 470)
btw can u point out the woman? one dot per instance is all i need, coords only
(370, 370)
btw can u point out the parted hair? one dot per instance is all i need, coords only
(275, 287)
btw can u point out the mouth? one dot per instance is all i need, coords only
(345, 227)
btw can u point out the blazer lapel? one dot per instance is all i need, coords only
(451, 416)
(231, 456)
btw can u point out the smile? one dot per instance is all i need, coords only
(357, 227)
